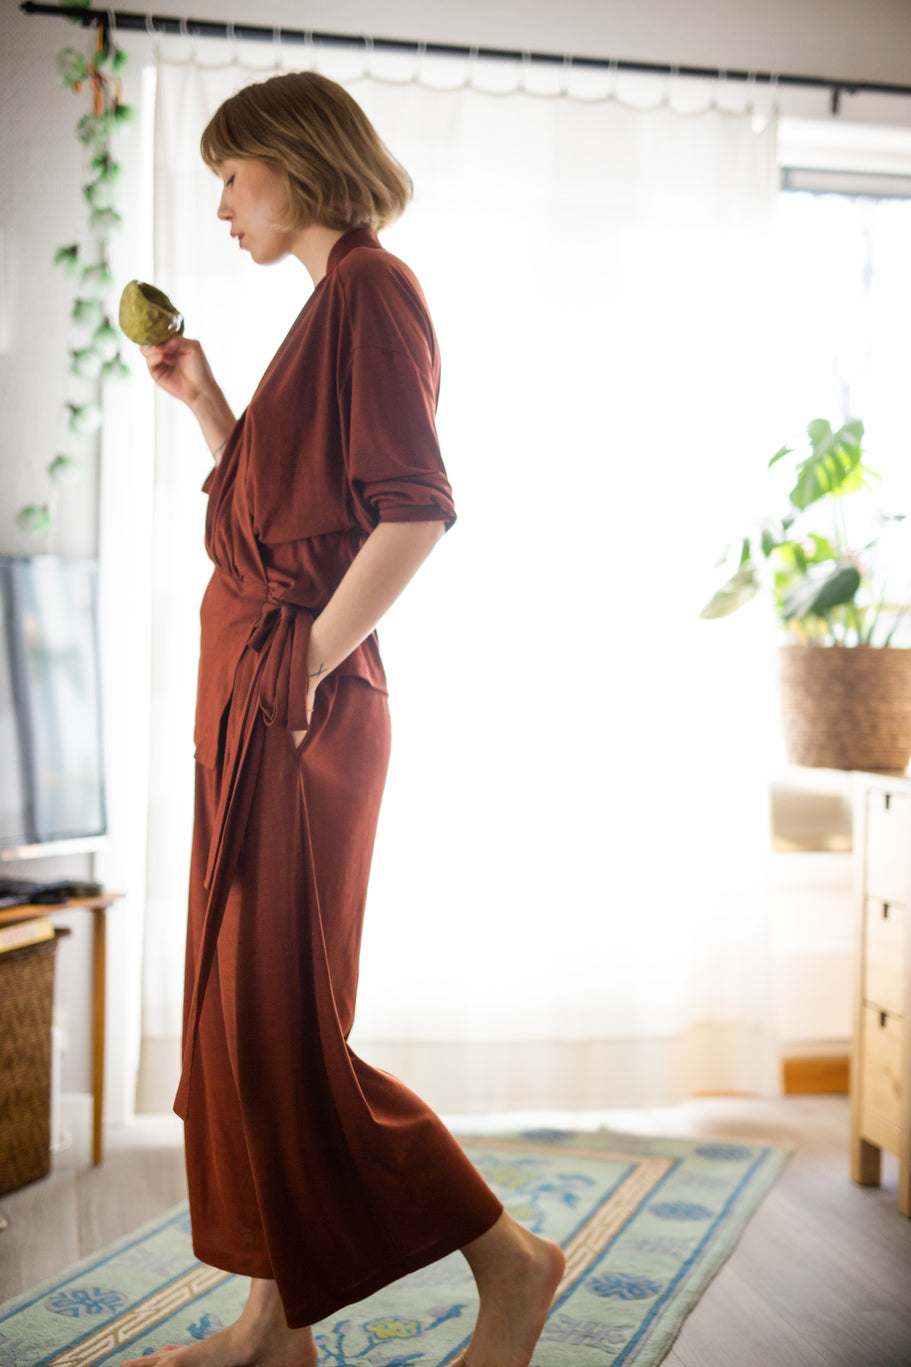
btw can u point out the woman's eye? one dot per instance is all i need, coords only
(229, 182)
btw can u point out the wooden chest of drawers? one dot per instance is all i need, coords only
(881, 1055)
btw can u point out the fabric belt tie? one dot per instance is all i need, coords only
(271, 682)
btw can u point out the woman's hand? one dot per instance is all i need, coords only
(385, 563)
(180, 368)
(316, 673)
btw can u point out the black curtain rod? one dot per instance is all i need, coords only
(110, 19)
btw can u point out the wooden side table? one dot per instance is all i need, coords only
(98, 907)
(881, 1057)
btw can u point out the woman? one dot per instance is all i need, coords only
(317, 1176)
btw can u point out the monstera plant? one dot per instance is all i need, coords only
(842, 708)
(826, 590)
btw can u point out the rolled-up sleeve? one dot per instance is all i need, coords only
(395, 468)
(389, 383)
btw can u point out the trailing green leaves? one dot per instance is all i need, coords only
(95, 353)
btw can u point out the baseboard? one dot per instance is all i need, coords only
(812, 1076)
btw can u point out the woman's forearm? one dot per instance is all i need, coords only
(212, 411)
(388, 559)
(179, 367)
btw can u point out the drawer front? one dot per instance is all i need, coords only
(881, 1059)
(885, 974)
(887, 875)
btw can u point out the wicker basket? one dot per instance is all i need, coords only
(26, 1006)
(847, 707)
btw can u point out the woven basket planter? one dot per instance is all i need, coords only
(26, 1004)
(846, 707)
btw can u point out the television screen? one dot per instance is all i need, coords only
(51, 760)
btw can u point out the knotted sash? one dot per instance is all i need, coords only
(270, 687)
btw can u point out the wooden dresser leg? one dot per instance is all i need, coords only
(866, 1163)
(904, 1184)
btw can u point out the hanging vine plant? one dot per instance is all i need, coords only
(95, 354)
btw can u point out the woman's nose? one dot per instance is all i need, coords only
(223, 209)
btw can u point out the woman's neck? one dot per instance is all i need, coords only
(312, 247)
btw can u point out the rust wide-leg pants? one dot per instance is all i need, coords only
(305, 1165)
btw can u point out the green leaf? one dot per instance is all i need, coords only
(852, 431)
(828, 469)
(68, 258)
(106, 339)
(95, 194)
(35, 519)
(820, 433)
(115, 369)
(84, 419)
(780, 454)
(739, 589)
(789, 557)
(124, 115)
(71, 66)
(814, 597)
(97, 279)
(121, 62)
(768, 540)
(87, 311)
(86, 363)
(66, 470)
(105, 167)
(92, 128)
(822, 549)
(103, 222)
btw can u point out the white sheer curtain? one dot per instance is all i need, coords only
(567, 900)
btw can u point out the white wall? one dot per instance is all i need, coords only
(42, 208)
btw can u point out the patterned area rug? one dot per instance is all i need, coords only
(645, 1224)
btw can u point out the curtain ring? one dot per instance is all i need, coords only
(773, 91)
(419, 55)
(309, 50)
(368, 53)
(672, 75)
(613, 68)
(185, 33)
(152, 31)
(471, 69)
(232, 39)
(721, 77)
(567, 72)
(522, 83)
(277, 47)
(751, 92)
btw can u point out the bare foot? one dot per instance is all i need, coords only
(517, 1274)
(260, 1338)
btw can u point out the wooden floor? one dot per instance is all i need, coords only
(821, 1278)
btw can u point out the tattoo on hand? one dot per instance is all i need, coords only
(219, 448)
(315, 673)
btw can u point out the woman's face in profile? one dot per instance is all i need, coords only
(253, 197)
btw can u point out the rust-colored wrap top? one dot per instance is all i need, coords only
(339, 435)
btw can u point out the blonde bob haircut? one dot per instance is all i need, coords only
(339, 172)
